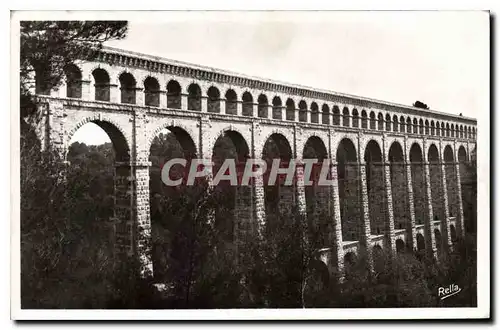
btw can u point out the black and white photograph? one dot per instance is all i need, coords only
(194, 165)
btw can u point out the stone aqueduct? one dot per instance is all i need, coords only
(399, 168)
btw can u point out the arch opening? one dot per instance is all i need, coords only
(73, 81)
(213, 100)
(174, 98)
(418, 184)
(247, 105)
(127, 88)
(375, 174)
(231, 102)
(399, 187)
(262, 106)
(194, 97)
(276, 107)
(151, 92)
(101, 85)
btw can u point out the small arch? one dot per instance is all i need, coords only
(355, 118)
(174, 95)
(473, 132)
(388, 122)
(433, 128)
(421, 126)
(416, 153)
(461, 131)
(73, 81)
(402, 124)
(395, 126)
(231, 102)
(247, 104)
(303, 111)
(452, 130)
(276, 107)
(345, 117)
(373, 121)
(128, 88)
(380, 119)
(336, 115)
(438, 130)
(101, 84)
(151, 92)
(408, 125)
(433, 154)
(314, 112)
(325, 114)
(426, 127)
(415, 126)
(364, 119)
(448, 154)
(290, 110)
(462, 154)
(263, 106)
(194, 97)
(448, 130)
(213, 101)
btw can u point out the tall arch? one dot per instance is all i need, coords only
(349, 191)
(418, 183)
(426, 127)
(395, 128)
(415, 126)
(402, 124)
(421, 126)
(398, 184)
(388, 122)
(317, 197)
(451, 181)
(380, 121)
(355, 118)
(373, 120)
(336, 115)
(436, 183)
(278, 196)
(433, 129)
(375, 173)
(408, 125)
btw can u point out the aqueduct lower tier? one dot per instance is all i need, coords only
(398, 181)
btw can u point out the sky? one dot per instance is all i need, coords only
(439, 58)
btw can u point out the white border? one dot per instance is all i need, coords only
(483, 142)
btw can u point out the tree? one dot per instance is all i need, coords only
(420, 105)
(48, 47)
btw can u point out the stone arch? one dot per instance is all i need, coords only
(461, 131)
(436, 181)
(314, 112)
(473, 132)
(234, 219)
(247, 104)
(194, 97)
(402, 124)
(231, 102)
(336, 115)
(443, 129)
(420, 242)
(395, 126)
(421, 126)
(277, 107)
(418, 183)
(438, 129)
(447, 129)
(73, 81)
(375, 173)
(439, 240)
(345, 117)
(290, 109)
(451, 181)
(452, 130)
(317, 197)
(373, 120)
(325, 114)
(380, 121)
(364, 119)
(408, 125)
(398, 185)
(128, 87)
(400, 246)
(151, 92)
(213, 99)
(101, 84)
(433, 128)
(279, 197)
(388, 122)
(263, 106)
(302, 111)
(415, 126)
(426, 127)
(182, 132)
(349, 191)
(174, 92)
(355, 118)
(116, 133)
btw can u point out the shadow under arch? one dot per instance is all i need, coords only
(375, 173)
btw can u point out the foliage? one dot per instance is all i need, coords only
(420, 105)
